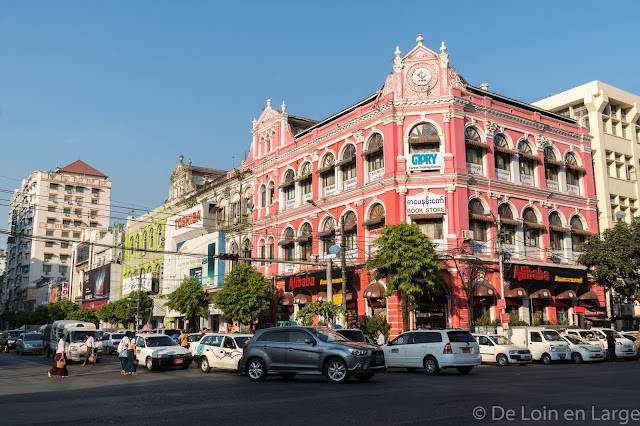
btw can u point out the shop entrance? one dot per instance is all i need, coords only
(432, 314)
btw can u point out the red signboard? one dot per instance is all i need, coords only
(578, 309)
(502, 304)
(505, 318)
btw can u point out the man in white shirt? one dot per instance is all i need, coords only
(91, 344)
(381, 339)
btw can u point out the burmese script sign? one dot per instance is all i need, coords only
(426, 203)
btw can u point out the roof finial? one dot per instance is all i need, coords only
(189, 162)
(443, 48)
(419, 39)
(397, 52)
(181, 157)
(269, 103)
(283, 106)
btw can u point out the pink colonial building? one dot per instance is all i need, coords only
(462, 163)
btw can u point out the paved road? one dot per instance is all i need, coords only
(99, 395)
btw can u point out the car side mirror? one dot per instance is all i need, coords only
(310, 341)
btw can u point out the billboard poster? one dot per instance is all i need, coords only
(142, 282)
(96, 283)
(424, 161)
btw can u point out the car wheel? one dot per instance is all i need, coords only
(288, 376)
(149, 363)
(363, 377)
(546, 359)
(576, 358)
(336, 371)
(503, 360)
(464, 370)
(256, 370)
(431, 366)
(204, 365)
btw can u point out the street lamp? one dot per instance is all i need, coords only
(343, 264)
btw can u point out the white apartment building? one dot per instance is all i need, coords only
(47, 215)
(612, 116)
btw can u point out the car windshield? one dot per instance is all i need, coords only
(460, 337)
(353, 335)
(589, 336)
(616, 334)
(117, 336)
(499, 340)
(81, 336)
(32, 337)
(240, 341)
(153, 342)
(574, 339)
(194, 338)
(552, 336)
(328, 335)
(15, 333)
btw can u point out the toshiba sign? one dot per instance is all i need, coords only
(186, 220)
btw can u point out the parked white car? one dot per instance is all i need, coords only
(496, 348)
(631, 335)
(193, 339)
(217, 350)
(589, 336)
(433, 350)
(545, 345)
(625, 348)
(160, 350)
(582, 351)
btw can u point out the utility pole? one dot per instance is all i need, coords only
(329, 283)
(501, 261)
(138, 309)
(343, 261)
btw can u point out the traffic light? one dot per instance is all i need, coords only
(228, 256)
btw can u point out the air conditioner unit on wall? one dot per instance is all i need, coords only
(467, 234)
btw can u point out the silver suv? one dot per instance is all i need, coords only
(308, 350)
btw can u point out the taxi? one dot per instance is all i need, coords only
(220, 350)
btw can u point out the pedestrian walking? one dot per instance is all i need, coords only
(611, 347)
(123, 347)
(381, 339)
(183, 340)
(90, 355)
(60, 363)
(129, 367)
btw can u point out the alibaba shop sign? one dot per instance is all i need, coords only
(535, 274)
(316, 280)
(424, 161)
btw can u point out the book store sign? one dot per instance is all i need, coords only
(425, 203)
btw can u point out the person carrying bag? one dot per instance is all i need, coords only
(123, 346)
(60, 366)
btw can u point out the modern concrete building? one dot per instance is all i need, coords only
(612, 117)
(47, 215)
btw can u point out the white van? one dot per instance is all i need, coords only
(546, 345)
(75, 335)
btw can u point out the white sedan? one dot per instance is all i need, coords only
(581, 350)
(496, 348)
(217, 350)
(159, 350)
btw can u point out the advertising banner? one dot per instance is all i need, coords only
(97, 283)
(424, 161)
(138, 282)
(535, 274)
(426, 203)
(316, 279)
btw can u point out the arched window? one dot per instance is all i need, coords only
(507, 223)
(328, 174)
(528, 163)
(551, 168)
(350, 223)
(138, 244)
(478, 220)
(532, 228)
(556, 231)
(262, 250)
(271, 248)
(271, 193)
(144, 238)
(327, 234)
(502, 156)
(305, 239)
(234, 250)
(246, 251)
(160, 236)
(131, 246)
(288, 244)
(574, 173)
(288, 187)
(151, 239)
(263, 196)
(306, 180)
(424, 139)
(475, 150)
(578, 234)
(348, 166)
(374, 156)
(376, 216)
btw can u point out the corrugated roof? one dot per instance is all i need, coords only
(81, 168)
(207, 171)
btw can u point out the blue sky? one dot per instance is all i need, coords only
(129, 86)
